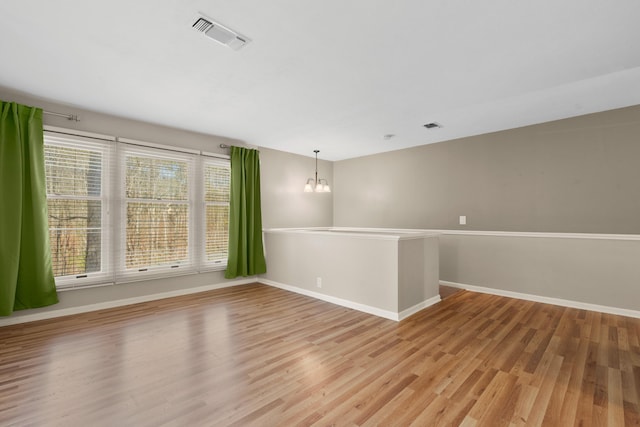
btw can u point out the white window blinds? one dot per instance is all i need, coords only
(158, 191)
(217, 175)
(149, 211)
(76, 173)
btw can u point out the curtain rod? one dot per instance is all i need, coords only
(228, 146)
(73, 117)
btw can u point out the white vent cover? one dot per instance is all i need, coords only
(220, 33)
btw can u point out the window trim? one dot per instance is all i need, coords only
(124, 273)
(114, 211)
(105, 147)
(221, 264)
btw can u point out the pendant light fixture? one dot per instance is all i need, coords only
(315, 184)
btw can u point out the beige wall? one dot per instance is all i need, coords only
(575, 175)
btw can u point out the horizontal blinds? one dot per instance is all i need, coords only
(76, 174)
(217, 176)
(158, 192)
(145, 212)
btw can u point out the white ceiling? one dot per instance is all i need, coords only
(335, 75)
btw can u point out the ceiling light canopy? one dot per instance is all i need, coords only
(315, 185)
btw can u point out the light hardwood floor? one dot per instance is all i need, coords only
(256, 355)
(447, 291)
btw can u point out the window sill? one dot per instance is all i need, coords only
(133, 278)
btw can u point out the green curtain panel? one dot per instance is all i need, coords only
(26, 275)
(246, 255)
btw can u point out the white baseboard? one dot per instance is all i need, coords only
(354, 305)
(420, 306)
(338, 301)
(31, 317)
(457, 285)
(546, 300)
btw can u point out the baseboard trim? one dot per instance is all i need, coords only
(354, 305)
(334, 300)
(32, 317)
(546, 300)
(420, 306)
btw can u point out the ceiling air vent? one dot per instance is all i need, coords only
(220, 33)
(433, 125)
(202, 25)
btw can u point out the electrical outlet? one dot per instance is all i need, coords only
(319, 282)
(463, 220)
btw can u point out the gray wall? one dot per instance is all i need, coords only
(381, 273)
(283, 174)
(593, 271)
(284, 204)
(416, 285)
(119, 126)
(344, 263)
(575, 175)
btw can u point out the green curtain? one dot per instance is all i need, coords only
(246, 256)
(26, 275)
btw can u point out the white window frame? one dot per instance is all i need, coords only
(114, 204)
(219, 264)
(130, 147)
(104, 145)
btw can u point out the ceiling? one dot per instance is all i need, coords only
(334, 75)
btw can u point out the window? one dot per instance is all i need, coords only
(159, 212)
(75, 171)
(158, 192)
(217, 177)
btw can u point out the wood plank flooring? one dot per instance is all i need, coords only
(447, 291)
(257, 355)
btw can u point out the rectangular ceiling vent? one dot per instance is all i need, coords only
(202, 25)
(433, 125)
(220, 33)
